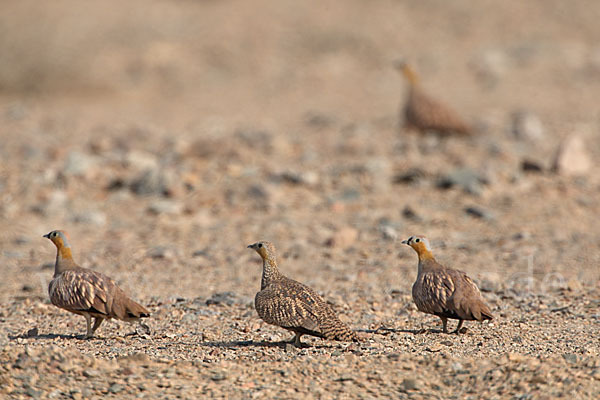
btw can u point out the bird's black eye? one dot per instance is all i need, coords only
(259, 245)
(417, 240)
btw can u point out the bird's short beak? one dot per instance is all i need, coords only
(47, 236)
(250, 246)
(404, 241)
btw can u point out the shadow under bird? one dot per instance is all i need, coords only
(425, 113)
(289, 304)
(445, 292)
(86, 292)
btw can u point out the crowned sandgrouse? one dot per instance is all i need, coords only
(86, 292)
(424, 113)
(296, 307)
(445, 292)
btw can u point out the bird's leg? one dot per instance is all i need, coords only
(97, 322)
(297, 341)
(444, 324)
(460, 322)
(88, 321)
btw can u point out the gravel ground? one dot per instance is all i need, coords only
(165, 150)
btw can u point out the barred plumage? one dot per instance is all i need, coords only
(445, 292)
(86, 292)
(296, 307)
(424, 113)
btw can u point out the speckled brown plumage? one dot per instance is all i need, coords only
(424, 113)
(86, 292)
(294, 306)
(445, 292)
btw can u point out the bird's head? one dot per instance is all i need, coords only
(59, 238)
(407, 70)
(420, 244)
(265, 249)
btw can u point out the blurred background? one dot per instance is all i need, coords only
(166, 135)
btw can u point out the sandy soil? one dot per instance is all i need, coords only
(165, 136)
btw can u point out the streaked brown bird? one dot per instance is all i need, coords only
(296, 307)
(445, 292)
(426, 114)
(86, 292)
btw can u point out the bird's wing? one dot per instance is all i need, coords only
(81, 290)
(434, 114)
(467, 299)
(432, 291)
(292, 305)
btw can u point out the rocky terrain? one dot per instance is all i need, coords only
(166, 136)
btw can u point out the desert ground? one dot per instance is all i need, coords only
(165, 136)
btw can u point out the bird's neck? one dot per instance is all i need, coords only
(411, 76)
(270, 272)
(426, 259)
(64, 260)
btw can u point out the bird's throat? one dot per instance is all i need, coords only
(270, 272)
(64, 260)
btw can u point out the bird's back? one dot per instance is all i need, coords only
(425, 113)
(84, 290)
(448, 293)
(295, 306)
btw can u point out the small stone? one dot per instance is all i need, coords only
(115, 388)
(165, 207)
(574, 285)
(527, 126)
(572, 157)
(92, 217)
(32, 332)
(466, 178)
(141, 358)
(318, 120)
(35, 394)
(308, 178)
(78, 164)
(227, 298)
(570, 358)
(219, 376)
(161, 252)
(290, 348)
(479, 212)
(154, 181)
(434, 348)
(410, 214)
(491, 65)
(201, 253)
(343, 238)
(529, 165)
(91, 373)
(515, 357)
(143, 330)
(258, 192)
(521, 236)
(140, 160)
(410, 384)
(388, 232)
(412, 175)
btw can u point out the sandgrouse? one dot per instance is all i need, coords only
(86, 292)
(296, 307)
(445, 292)
(424, 113)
